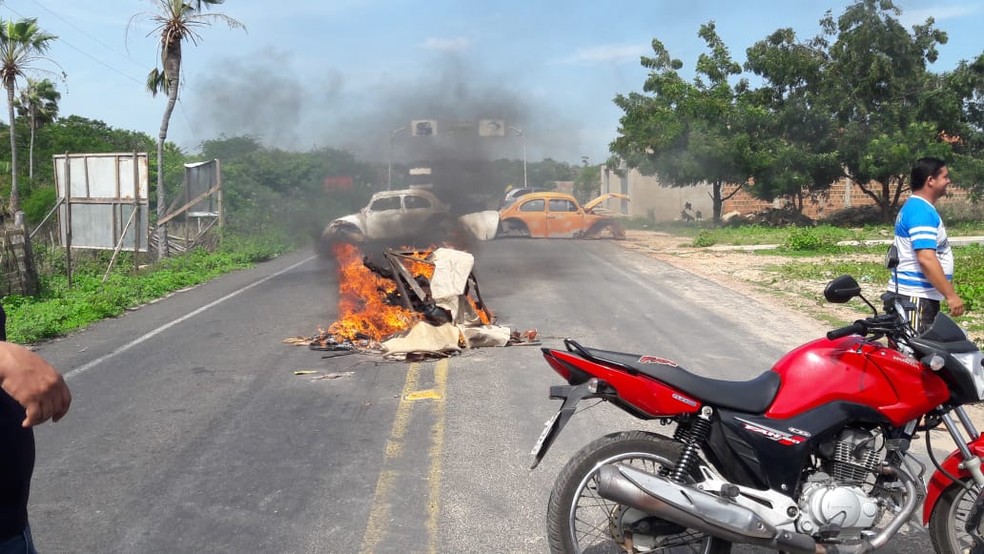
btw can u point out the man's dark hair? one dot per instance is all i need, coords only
(924, 169)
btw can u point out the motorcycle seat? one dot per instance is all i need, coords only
(752, 396)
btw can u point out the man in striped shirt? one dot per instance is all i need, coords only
(925, 271)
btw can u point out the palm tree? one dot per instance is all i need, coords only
(176, 22)
(22, 43)
(38, 102)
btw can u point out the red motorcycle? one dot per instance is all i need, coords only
(809, 457)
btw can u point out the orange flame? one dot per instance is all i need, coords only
(484, 314)
(362, 308)
(416, 264)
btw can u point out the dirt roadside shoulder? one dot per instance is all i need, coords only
(751, 273)
(754, 272)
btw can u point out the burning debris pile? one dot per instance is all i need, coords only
(410, 304)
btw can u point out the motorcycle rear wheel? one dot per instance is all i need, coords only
(949, 517)
(580, 521)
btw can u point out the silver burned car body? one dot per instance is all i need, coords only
(407, 214)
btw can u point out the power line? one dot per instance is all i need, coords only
(84, 53)
(86, 33)
(180, 107)
(100, 62)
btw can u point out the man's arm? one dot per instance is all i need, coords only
(933, 271)
(34, 384)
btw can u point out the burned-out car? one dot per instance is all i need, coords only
(558, 215)
(408, 214)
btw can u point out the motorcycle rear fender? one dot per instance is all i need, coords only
(939, 482)
(571, 395)
(649, 397)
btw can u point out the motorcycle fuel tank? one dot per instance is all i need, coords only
(851, 369)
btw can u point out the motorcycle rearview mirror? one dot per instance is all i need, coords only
(892, 264)
(892, 257)
(842, 289)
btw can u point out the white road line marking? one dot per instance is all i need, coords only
(83, 368)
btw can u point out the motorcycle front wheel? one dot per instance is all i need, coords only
(581, 521)
(947, 523)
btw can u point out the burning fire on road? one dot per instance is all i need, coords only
(369, 305)
(409, 304)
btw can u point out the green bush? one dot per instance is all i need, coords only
(704, 239)
(810, 239)
(969, 278)
(38, 203)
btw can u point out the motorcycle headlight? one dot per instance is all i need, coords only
(971, 361)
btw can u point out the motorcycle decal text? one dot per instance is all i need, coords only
(684, 399)
(657, 360)
(904, 359)
(785, 439)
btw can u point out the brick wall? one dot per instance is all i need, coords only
(843, 194)
(652, 200)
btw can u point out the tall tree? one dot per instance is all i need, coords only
(176, 22)
(689, 132)
(587, 182)
(38, 102)
(22, 45)
(966, 82)
(887, 106)
(794, 137)
(857, 101)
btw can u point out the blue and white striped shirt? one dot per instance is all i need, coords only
(917, 227)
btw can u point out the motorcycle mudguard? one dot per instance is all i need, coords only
(571, 396)
(939, 482)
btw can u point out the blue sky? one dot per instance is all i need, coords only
(348, 73)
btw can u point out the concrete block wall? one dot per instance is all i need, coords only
(651, 200)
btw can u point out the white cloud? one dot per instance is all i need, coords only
(939, 13)
(456, 44)
(616, 53)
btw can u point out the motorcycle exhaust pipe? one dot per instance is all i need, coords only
(696, 509)
(726, 520)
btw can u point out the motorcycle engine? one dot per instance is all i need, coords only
(834, 500)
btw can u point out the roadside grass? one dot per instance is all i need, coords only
(745, 235)
(59, 309)
(790, 238)
(826, 269)
(866, 264)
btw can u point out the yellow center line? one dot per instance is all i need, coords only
(429, 394)
(394, 446)
(436, 452)
(379, 514)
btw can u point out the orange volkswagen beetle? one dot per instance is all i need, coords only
(558, 215)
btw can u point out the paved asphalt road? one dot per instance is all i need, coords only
(190, 431)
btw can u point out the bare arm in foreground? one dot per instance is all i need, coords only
(34, 384)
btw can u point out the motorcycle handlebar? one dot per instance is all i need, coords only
(856, 328)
